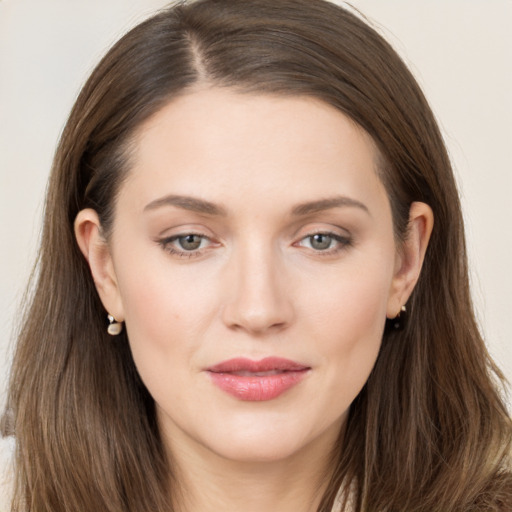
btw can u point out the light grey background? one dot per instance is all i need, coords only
(460, 50)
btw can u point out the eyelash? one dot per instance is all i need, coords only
(341, 244)
(166, 244)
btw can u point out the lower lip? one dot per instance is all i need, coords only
(257, 389)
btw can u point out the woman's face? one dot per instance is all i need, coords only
(253, 261)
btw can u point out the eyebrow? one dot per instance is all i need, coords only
(206, 207)
(327, 204)
(187, 203)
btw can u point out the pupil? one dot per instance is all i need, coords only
(320, 242)
(190, 242)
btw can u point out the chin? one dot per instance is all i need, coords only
(259, 449)
(270, 438)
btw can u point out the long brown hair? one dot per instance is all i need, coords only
(428, 432)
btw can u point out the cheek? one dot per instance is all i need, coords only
(349, 328)
(162, 333)
(150, 305)
(165, 314)
(353, 322)
(169, 311)
(160, 294)
(353, 298)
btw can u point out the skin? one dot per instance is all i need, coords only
(258, 285)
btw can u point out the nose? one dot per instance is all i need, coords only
(259, 294)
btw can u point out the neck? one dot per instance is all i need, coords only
(208, 482)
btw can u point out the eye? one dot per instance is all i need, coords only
(186, 245)
(190, 242)
(320, 241)
(328, 243)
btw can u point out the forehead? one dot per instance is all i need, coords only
(217, 141)
(228, 115)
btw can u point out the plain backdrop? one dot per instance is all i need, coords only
(460, 51)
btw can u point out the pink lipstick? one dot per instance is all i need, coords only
(257, 380)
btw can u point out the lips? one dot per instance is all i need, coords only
(262, 380)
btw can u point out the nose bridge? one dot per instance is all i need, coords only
(259, 299)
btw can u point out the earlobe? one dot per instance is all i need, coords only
(96, 251)
(409, 260)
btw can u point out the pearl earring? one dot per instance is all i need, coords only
(114, 327)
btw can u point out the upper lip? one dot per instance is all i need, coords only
(242, 364)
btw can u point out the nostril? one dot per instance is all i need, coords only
(258, 317)
(256, 323)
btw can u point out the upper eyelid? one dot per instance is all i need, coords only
(339, 233)
(171, 238)
(305, 231)
(185, 233)
(336, 236)
(184, 229)
(321, 228)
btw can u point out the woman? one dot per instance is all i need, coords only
(252, 292)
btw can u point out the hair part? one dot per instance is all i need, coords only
(428, 432)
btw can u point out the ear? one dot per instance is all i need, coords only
(96, 251)
(410, 256)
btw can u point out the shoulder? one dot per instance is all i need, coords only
(6, 471)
